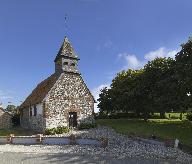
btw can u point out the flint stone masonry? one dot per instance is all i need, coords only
(5, 120)
(70, 94)
(36, 123)
(63, 99)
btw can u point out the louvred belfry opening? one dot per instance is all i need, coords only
(66, 59)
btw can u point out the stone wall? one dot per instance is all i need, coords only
(35, 123)
(69, 94)
(5, 120)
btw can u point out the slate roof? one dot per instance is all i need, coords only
(39, 93)
(66, 51)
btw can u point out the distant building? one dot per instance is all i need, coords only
(5, 119)
(63, 99)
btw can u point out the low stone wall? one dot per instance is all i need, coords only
(51, 140)
(26, 140)
(55, 141)
(84, 141)
(3, 140)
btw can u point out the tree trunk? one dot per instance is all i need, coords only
(162, 114)
(145, 117)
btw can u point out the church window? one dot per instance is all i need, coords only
(21, 112)
(65, 63)
(35, 110)
(30, 112)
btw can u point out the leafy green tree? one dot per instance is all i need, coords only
(12, 109)
(104, 105)
(183, 75)
(123, 98)
(158, 84)
(163, 85)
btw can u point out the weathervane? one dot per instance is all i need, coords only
(66, 27)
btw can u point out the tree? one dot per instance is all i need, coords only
(14, 110)
(157, 78)
(11, 108)
(162, 85)
(122, 95)
(183, 69)
(104, 101)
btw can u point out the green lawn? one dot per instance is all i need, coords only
(17, 131)
(173, 115)
(162, 128)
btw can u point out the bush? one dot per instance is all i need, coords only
(50, 131)
(61, 129)
(189, 116)
(87, 126)
(58, 130)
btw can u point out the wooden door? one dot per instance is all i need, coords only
(72, 119)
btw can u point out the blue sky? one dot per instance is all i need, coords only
(108, 36)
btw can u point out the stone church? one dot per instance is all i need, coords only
(63, 99)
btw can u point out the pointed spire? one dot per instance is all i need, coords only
(66, 50)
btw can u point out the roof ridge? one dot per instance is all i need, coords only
(40, 91)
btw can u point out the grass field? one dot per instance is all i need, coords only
(162, 128)
(17, 131)
(173, 115)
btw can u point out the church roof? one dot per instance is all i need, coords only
(39, 93)
(66, 50)
(42, 89)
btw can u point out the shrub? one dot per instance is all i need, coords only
(61, 129)
(189, 116)
(87, 126)
(58, 130)
(50, 131)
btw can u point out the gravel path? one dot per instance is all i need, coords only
(34, 158)
(120, 147)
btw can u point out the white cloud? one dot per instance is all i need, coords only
(132, 61)
(96, 91)
(4, 95)
(161, 52)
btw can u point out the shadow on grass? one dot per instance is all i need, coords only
(18, 131)
(163, 129)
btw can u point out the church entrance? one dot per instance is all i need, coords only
(72, 119)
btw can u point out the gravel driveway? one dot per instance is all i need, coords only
(120, 148)
(34, 158)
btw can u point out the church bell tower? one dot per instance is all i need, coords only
(66, 59)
